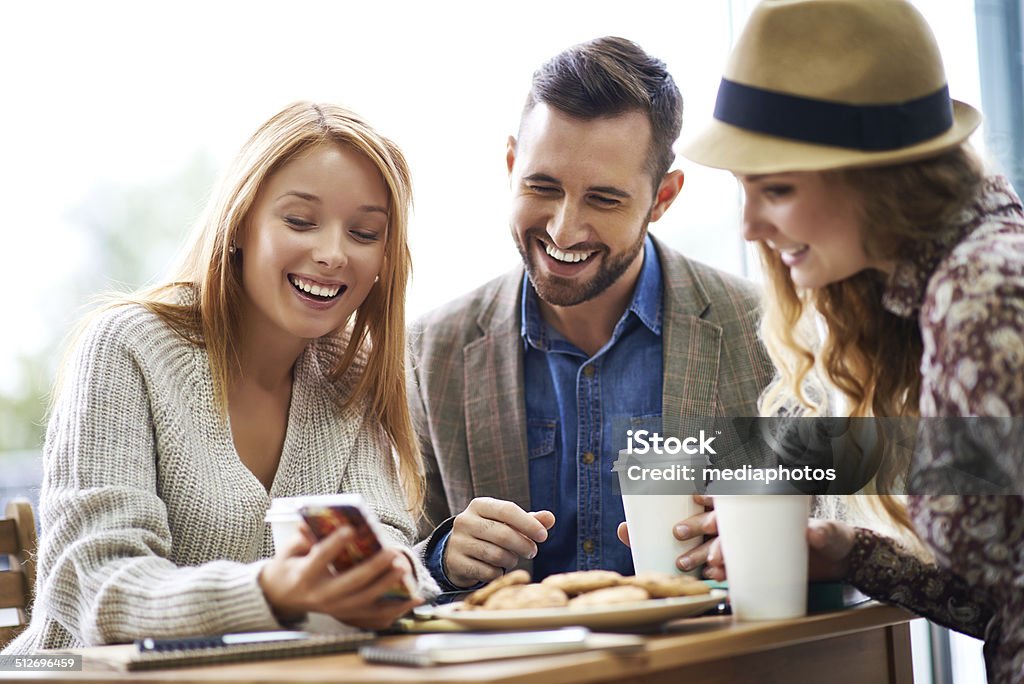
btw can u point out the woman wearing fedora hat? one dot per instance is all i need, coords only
(874, 218)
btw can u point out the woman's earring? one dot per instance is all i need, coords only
(376, 279)
(232, 249)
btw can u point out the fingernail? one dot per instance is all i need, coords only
(682, 530)
(685, 562)
(533, 554)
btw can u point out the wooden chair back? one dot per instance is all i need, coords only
(18, 543)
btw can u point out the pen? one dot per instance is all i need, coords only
(214, 641)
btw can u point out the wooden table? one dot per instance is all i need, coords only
(869, 643)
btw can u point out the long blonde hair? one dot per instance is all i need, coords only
(209, 317)
(870, 355)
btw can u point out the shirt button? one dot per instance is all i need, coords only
(588, 457)
(588, 371)
(588, 546)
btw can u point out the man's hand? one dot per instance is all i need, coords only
(700, 525)
(490, 537)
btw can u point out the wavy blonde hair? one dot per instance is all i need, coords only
(210, 317)
(869, 355)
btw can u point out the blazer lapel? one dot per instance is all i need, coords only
(495, 407)
(692, 349)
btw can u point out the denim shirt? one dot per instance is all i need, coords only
(578, 410)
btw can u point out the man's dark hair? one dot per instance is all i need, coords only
(611, 76)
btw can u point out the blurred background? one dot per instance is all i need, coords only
(119, 116)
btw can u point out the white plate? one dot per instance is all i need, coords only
(648, 612)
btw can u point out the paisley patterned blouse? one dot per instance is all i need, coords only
(967, 289)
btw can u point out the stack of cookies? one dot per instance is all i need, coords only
(580, 590)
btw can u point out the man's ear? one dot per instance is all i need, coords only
(667, 192)
(510, 153)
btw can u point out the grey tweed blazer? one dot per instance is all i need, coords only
(467, 396)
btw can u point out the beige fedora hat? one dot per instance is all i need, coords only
(826, 84)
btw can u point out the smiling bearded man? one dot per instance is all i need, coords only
(524, 388)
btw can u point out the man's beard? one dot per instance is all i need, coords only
(559, 291)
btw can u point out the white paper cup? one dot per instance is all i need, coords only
(653, 508)
(764, 541)
(650, 518)
(284, 527)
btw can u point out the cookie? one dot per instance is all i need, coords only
(608, 596)
(526, 596)
(664, 585)
(582, 581)
(480, 596)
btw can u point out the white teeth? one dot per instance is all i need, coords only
(313, 288)
(799, 249)
(566, 257)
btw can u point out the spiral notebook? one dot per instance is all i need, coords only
(228, 648)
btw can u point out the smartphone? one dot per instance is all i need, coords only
(364, 542)
(447, 649)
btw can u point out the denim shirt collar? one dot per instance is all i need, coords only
(645, 305)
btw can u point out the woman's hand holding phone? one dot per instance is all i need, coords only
(301, 578)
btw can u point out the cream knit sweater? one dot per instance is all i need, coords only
(151, 525)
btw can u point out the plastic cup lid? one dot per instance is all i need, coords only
(286, 508)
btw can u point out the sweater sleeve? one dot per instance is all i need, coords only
(374, 474)
(884, 571)
(105, 568)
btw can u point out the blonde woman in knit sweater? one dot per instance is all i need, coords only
(271, 365)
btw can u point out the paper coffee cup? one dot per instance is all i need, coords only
(764, 542)
(650, 519)
(654, 507)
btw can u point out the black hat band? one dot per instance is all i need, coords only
(872, 128)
